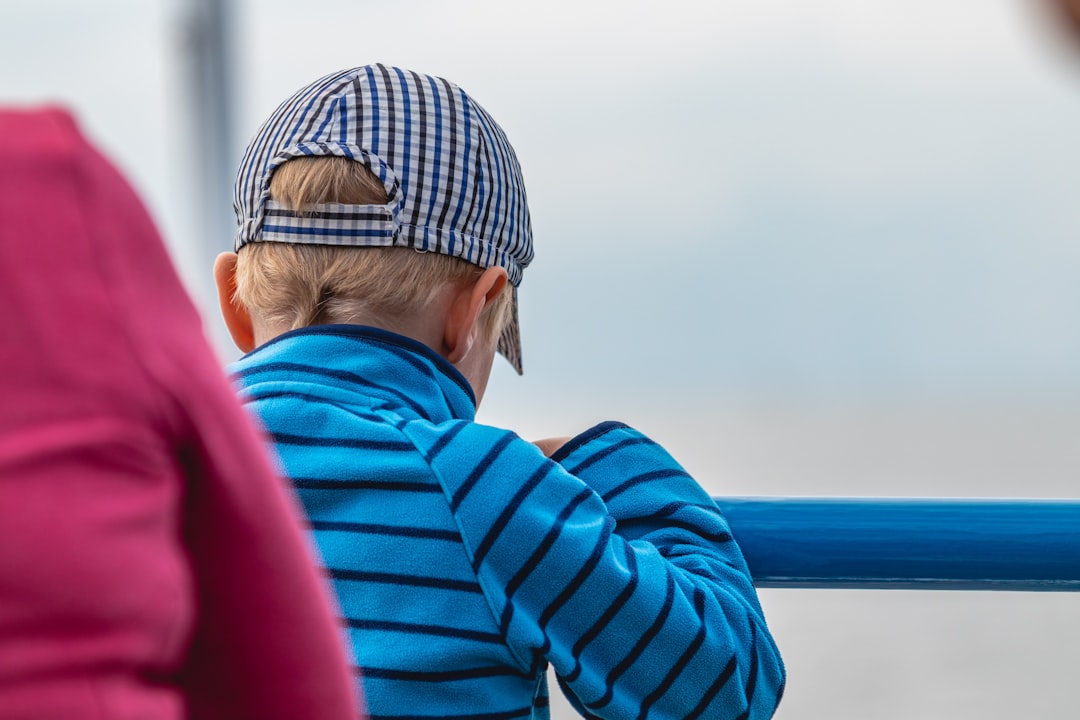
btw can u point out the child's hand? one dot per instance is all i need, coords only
(548, 446)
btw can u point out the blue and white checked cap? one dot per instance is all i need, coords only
(453, 181)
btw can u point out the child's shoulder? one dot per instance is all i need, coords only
(465, 438)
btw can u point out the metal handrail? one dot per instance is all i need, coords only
(908, 543)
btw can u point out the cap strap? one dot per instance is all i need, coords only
(330, 224)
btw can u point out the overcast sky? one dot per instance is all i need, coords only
(731, 200)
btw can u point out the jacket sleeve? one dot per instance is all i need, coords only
(612, 564)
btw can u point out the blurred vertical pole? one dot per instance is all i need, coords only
(208, 69)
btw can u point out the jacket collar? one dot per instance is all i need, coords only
(365, 364)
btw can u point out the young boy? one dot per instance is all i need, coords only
(383, 231)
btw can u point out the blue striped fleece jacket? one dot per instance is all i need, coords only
(465, 561)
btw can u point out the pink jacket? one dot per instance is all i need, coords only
(151, 563)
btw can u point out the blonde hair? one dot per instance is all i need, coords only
(294, 285)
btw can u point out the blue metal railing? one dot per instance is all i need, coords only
(908, 543)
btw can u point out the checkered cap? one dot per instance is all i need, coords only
(453, 181)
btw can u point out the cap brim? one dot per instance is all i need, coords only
(510, 340)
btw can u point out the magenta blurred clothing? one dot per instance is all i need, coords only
(151, 563)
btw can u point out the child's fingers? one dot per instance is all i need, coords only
(549, 445)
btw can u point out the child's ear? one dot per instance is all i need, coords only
(463, 321)
(237, 318)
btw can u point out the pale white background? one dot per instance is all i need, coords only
(814, 248)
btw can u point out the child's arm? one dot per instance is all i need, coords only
(654, 500)
(612, 564)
